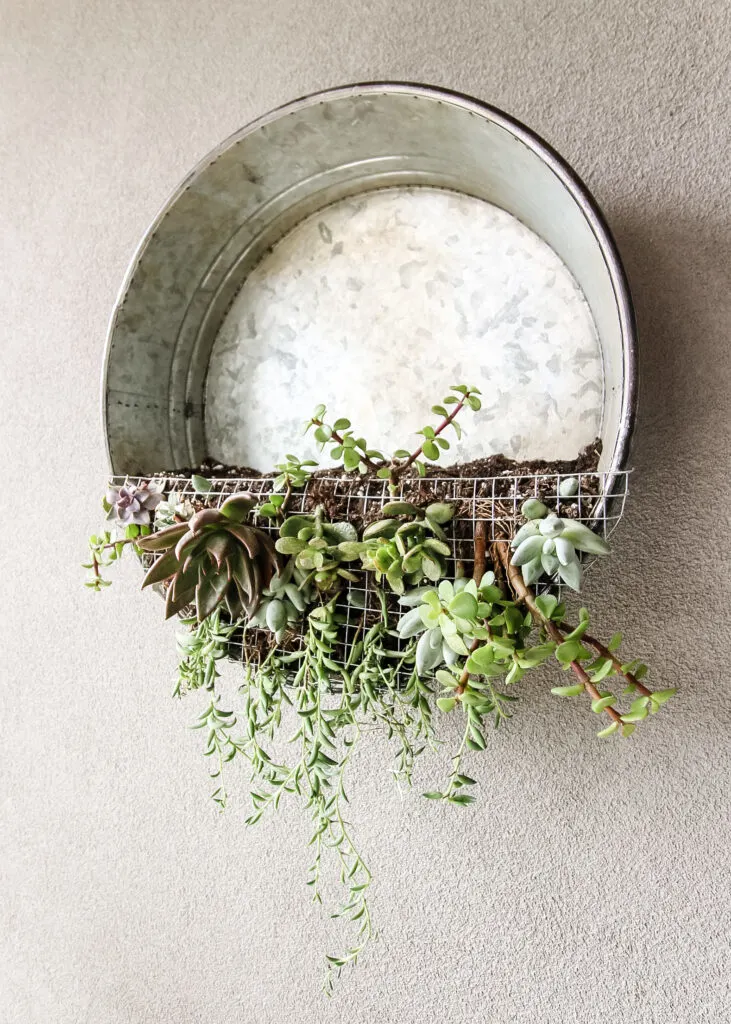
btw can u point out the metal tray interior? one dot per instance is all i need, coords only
(183, 377)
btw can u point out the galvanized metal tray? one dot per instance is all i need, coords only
(368, 247)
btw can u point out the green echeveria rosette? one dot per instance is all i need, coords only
(551, 545)
(408, 545)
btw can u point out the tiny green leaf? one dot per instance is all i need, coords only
(568, 691)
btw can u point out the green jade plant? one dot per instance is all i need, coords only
(435, 647)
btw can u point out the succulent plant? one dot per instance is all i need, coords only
(214, 559)
(174, 509)
(454, 615)
(319, 548)
(285, 599)
(131, 505)
(408, 545)
(550, 545)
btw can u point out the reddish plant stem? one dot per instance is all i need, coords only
(599, 648)
(525, 595)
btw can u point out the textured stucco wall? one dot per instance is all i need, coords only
(591, 881)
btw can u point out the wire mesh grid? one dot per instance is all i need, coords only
(599, 502)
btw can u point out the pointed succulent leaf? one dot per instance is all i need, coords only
(206, 517)
(527, 550)
(175, 602)
(187, 545)
(217, 547)
(583, 538)
(163, 540)
(209, 593)
(162, 569)
(571, 575)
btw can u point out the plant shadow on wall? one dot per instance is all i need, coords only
(394, 614)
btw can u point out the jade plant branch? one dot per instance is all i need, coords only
(525, 595)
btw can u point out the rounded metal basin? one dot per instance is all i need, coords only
(268, 179)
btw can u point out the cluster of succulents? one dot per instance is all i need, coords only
(284, 601)
(408, 545)
(319, 548)
(213, 559)
(548, 544)
(456, 615)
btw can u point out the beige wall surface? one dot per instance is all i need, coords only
(591, 880)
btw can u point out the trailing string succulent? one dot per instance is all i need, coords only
(358, 627)
(213, 559)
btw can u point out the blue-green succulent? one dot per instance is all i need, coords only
(551, 545)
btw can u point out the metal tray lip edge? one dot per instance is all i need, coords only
(573, 182)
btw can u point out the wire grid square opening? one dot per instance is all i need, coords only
(599, 503)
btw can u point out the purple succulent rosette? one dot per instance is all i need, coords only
(133, 505)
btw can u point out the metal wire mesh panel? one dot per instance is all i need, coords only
(495, 501)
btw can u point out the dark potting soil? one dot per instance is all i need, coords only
(482, 487)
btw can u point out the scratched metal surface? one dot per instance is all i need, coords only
(375, 305)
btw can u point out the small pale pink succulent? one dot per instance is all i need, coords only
(131, 504)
